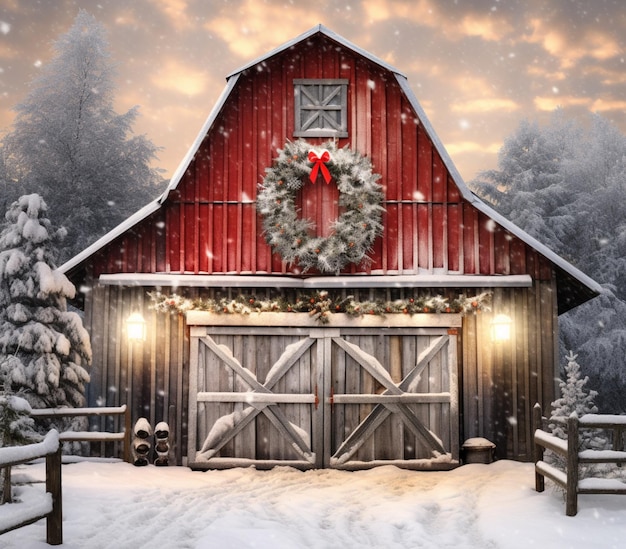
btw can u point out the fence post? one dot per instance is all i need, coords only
(571, 504)
(618, 444)
(127, 431)
(54, 521)
(538, 453)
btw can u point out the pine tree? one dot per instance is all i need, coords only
(16, 428)
(44, 348)
(565, 185)
(16, 425)
(70, 146)
(574, 399)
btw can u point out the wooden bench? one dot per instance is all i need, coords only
(49, 507)
(569, 479)
(91, 436)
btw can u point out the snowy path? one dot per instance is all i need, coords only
(119, 506)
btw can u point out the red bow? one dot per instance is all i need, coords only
(319, 163)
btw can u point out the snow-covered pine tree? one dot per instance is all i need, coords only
(574, 398)
(564, 184)
(70, 146)
(16, 425)
(44, 348)
(16, 428)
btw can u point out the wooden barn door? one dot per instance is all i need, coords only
(308, 397)
(394, 399)
(254, 397)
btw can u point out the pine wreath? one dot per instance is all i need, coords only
(360, 199)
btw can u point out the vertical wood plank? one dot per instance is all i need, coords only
(439, 238)
(502, 252)
(424, 237)
(406, 259)
(393, 229)
(453, 248)
(453, 386)
(486, 229)
(195, 366)
(470, 240)
(182, 383)
(394, 358)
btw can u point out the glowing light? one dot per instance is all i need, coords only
(136, 327)
(501, 328)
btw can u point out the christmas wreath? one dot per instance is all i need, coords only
(360, 200)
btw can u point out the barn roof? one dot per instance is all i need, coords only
(574, 287)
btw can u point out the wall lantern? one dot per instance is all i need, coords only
(136, 327)
(501, 328)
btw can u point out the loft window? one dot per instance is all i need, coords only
(321, 107)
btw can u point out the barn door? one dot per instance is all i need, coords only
(255, 397)
(323, 397)
(394, 399)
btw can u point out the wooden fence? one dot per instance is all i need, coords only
(122, 436)
(51, 507)
(570, 450)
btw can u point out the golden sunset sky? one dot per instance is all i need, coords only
(478, 67)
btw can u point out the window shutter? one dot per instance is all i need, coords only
(321, 108)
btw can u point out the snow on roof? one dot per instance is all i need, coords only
(317, 29)
(126, 225)
(562, 265)
(468, 195)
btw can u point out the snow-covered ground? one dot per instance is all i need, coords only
(119, 506)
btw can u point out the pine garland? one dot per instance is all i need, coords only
(356, 229)
(321, 304)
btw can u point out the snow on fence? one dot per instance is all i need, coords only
(569, 449)
(122, 436)
(16, 515)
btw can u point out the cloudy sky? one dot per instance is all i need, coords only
(478, 67)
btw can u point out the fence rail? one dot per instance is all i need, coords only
(122, 436)
(51, 509)
(569, 449)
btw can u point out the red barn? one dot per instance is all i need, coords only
(390, 365)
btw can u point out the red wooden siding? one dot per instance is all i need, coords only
(209, 222)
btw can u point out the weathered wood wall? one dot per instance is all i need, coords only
(151, 377)
(499, 384)
(502, 382)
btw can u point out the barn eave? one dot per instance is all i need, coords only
(173, 280)
(75, 263)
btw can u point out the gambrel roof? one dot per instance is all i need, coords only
(574, 287)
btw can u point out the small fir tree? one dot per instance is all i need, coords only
(574, 399)
(44, 348)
